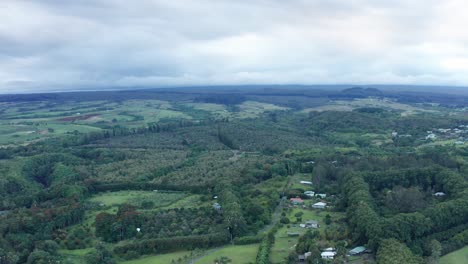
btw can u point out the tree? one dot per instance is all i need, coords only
(435, 248)
(391, 251)
(328, 219)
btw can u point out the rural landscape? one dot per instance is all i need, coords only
(234, 174)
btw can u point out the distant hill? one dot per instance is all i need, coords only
(364, 92)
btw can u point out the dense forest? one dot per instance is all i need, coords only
(109, 177)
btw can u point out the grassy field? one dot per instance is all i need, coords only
(162, 259)
(75, 256)
(159, 199)
(457, 257)
(238, 254)
(20, 123)
(369, 102)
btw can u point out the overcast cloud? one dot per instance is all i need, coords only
(82, 44)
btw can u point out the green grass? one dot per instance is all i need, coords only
(75, 256)
(457, 257)
(159, 199)
(238, 254)
(160, 259)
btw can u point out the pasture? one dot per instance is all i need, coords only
(456, 257)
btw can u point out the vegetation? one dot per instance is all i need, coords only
(165, 175)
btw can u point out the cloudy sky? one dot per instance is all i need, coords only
(84, 44)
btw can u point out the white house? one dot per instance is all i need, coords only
(309, 193)
(328, 254)
(319, 205)
(439, 194)
(306, 182)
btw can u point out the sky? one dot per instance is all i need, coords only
(50, 45)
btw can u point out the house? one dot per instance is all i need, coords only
(309, 193)
(217, 206)
(328, 254)
(306, 182)
(439, 194)
(431, 137)
(296, 201)
(321, 195)
(312, 224)
(357, 251)
(302, 225)
(394, 134)
(319, 205)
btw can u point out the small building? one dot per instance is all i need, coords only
(439, 194)
(306, 182)
(357, 251)
(312, 224)
(431, 136)
(293, 234)
(321, 195)
(309, 193)
(328, 254)
(217, 206)
(296, 201)
(319, 205)
(394, 134)
(302, 225)
(307, 254)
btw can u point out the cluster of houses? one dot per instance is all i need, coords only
(299, 201)
(330, 253)
(458, 133)
(310, 224)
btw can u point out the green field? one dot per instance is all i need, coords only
(75, 256)
(159, 199)
(238, 254)
(162, 259)
(457, 257)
